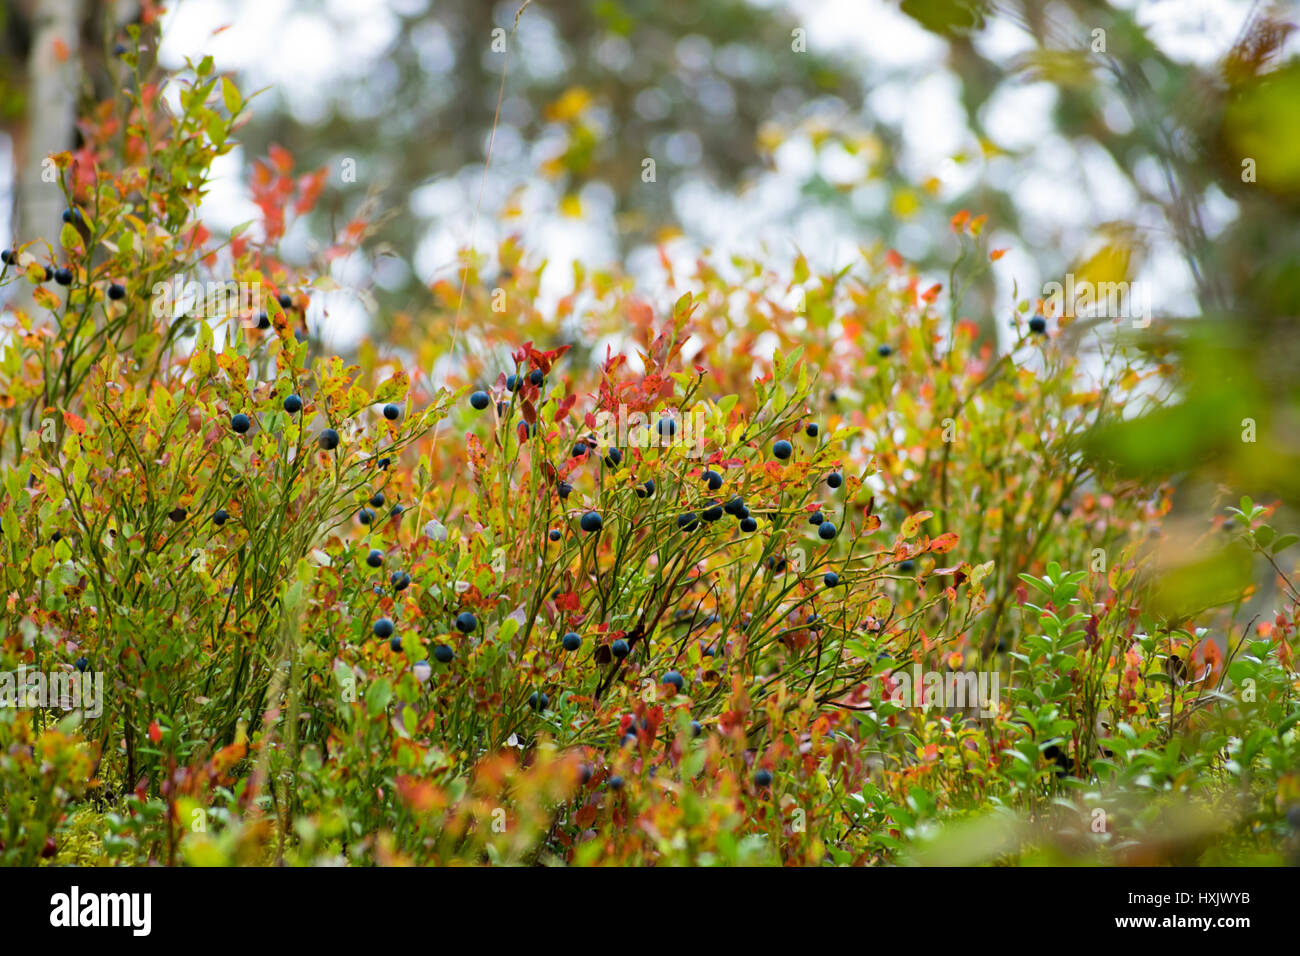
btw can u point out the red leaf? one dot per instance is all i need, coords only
(74, 422)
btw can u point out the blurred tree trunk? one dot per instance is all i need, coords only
(49, 123)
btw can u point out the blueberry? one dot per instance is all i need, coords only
(742, 512)
(714, 479)
(649, 486)
(748, 525)
(329, 439)
(117, 291)
(1292, 815)
(615, 782)
(536, 377)
(177, 514)
(687, 522)
(7, 256)
(49, 274)
(826, 531)
(365, 516)
(513, 382)
(383, 462)
(56, 537)
(645, 490)
(579, 449)
(395, 643)
(591, 522)
(383, 627)
(538, 701)
(734, 506)
(667, 427)
(120, 49)
(811, 430)
(783, 449)
(71, 216)
(527, 430)
(614, 458)
(884, 351)
(831, 579)
(466, 622)
(554, 534)
(392, 412)
(377, 499)
(400, 580)
(63, 276)
(82, 664)
(712, 513)
(285, 300)
(619, 649)
(443, 654)
(834, 479)
(907, 566)
(240, 423)
(375, 558)
(1038, 325)
(675, 679)
(292, 404)
(219, 517)
(299, 335)
(763, 779)
(816, 518)
(263, 320)
(564, 489)
(572, 641)
(696, 729)
(480, 400)
(584, 773)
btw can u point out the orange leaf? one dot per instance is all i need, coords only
(74, 422)
(944, 543)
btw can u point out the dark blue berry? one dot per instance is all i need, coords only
(811, 430)
(377, 499)
(240, 423)
(375, 558)
(219, 517)
(329, 439)
(536, 377)
(714, 480)
(696, 729)
(826, 531)
(831, 579)
(285, 300)
(63, 276)
(834, 479)
(513, 382)
(82, 664)
(816, 518)
(466, 622)
(884, 351)
(395, 643)
(383, 627)
(480, 400)
(443, 654)
(572, 641)
(554, 534)
(579, 449)
(1038, 325)
(365, 516)
(667, 427)
(675, 679)
(748, 525)
(783, 449)
(712, 513)
(564, 489)
(292, 404)
(907, 566)
(538, 701)
(687, 522)
(400, 580)
(619, 648)
(591, 522)
(392, 412)
(117, 291)
(614, 458)
(763, 779)
(615, 782)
